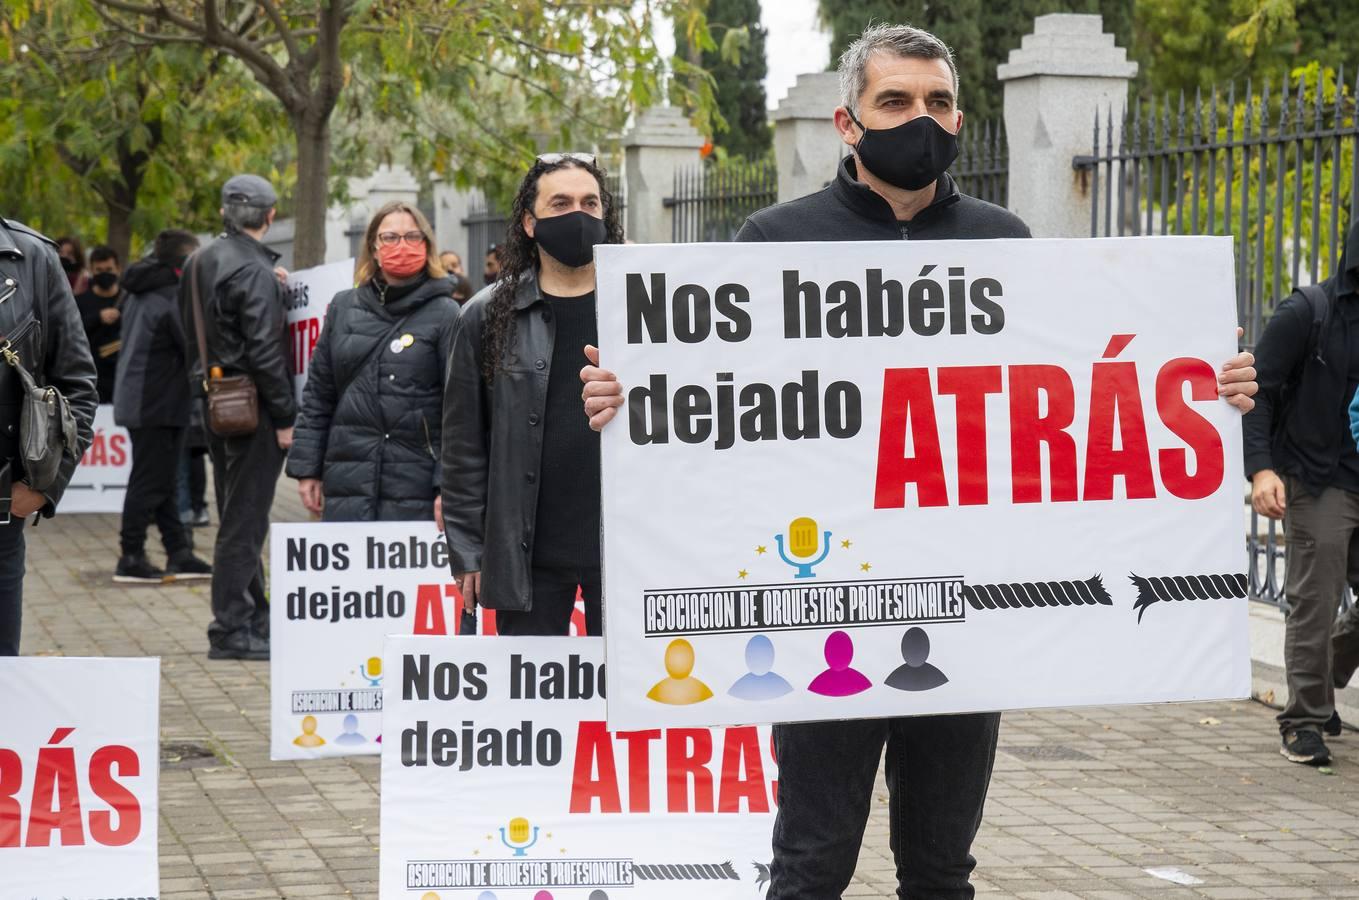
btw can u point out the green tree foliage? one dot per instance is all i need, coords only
(110, 143)
(475, 87)
(734, 58)
(981, 34)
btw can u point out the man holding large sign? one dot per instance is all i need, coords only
(891, 409)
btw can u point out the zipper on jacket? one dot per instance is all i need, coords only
(429, 444)
(905, 230)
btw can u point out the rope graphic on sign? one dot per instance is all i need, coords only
(686, 872)
(1167, 588)
(1027, 595)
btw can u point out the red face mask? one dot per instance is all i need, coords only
(401, 260)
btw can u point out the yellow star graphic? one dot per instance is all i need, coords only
(864, 567)
(761, 550)
(742, 574)
(476, 852)
(845, 543)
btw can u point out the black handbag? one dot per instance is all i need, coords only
(47, 428)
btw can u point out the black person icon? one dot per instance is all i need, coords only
(915, 674)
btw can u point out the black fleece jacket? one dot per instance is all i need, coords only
(1309, 438)
(848, 210)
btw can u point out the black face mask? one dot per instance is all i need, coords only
(570, 239)
(910, 156)
(105, 281)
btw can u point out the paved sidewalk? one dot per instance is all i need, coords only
(1083, 801)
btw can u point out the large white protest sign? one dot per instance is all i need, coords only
(79, 768)
(500, 782)
(339, 589)
(99, 483)
(873, 479)
(309, 294)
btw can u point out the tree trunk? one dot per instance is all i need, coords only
(312, 132)
(119, 235)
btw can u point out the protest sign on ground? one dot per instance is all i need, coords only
(79, 769)
(857, 480)
(309, 294)
(99, 483)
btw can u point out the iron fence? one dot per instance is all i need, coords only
(982, 169)
(711, 202)
(1273, 171)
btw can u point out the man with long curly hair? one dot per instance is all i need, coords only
(520, 464)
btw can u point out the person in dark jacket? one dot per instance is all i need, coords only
(242, 308)
(40, 324)
(1302, 461)
(367, 441)
(521, 468)
(100, 312)
(899, 119)
(152, 403)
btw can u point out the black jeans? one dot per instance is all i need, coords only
(938, 770)
(151, 491)
(554, 597)
(11, 585)
(247, 470)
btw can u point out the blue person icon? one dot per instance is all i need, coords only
(802, 541)
(519, 840)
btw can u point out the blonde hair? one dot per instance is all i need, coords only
(367, 267)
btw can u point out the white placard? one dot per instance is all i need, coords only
(99, 483)
(500, 782)
(339, 589)
(309, 293)
(79, 769)
(876, 479)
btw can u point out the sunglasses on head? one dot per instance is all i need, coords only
(554, 158)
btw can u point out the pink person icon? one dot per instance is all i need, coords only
(839, 680)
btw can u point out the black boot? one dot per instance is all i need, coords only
(135, 568)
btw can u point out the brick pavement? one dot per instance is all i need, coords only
(1083, 800)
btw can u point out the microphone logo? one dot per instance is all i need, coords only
(518, 839)
(372, 670)
(802, 540)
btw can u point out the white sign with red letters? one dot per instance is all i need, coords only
(501, 782)
(911, 477)
(79, 769)
(99, 483)
(309, 293)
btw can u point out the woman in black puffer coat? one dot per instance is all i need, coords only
(366, 445)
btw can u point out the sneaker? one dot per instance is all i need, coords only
(137, 570)
(1305, 746)
(1333, 725)
(184, 566)
(243, 644)
(199, 518)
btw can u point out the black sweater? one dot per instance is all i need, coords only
(848, 210)
(1310, 440)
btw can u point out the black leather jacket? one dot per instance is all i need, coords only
(40, 319)
(246, 328)
(503, 423)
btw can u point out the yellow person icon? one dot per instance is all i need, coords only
(309, 737)
(680, 688)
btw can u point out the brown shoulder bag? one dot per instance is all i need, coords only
(233, 400)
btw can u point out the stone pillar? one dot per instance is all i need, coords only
(661, 141)
(452, 205)
(1061, 74)
(806, 144)
(390, 183)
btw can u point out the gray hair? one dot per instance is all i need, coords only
(244, 216)
(898, 40)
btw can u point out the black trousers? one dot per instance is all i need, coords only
(151, 490)
(554, 597)
(247, 470)
(11, 585)
(938, 770)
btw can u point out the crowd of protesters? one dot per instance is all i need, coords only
(425, 402)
